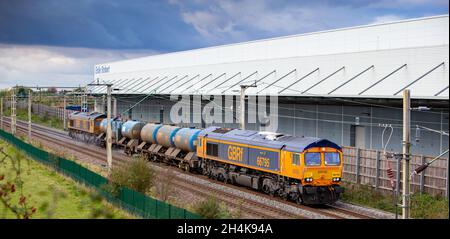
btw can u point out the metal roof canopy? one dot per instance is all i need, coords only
(410, 54)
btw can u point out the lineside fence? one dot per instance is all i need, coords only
(134, 202)
(41, 109)
(44, 110)
(365, 166)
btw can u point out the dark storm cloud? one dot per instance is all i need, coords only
(96, 24)
(178, 24)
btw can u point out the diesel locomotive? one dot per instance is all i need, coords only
(306, 170)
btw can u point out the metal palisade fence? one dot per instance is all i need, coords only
(134, 202)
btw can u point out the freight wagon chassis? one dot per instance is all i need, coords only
(129, 145)
(101, 141)
(171, 156)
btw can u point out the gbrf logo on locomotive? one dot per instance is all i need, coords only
(235, 153)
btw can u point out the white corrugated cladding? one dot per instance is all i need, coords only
(367, 61)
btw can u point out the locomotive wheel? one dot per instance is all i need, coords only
(299, 200)
(272, 193)
(266, 189)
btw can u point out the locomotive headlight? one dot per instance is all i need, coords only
(336, 179)
(308, 180)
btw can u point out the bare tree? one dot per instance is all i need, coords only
(164, 187)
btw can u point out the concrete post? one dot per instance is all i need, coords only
(406, 154)
(114, 109)
(358, 163)
(446, 181)
(64, 113)
(377, 168)
(13, 112)
(397, 184)
(108, 130)
(422, 175)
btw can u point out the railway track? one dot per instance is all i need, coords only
(65, 141)
(248, 206)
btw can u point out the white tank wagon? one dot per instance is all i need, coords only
(132, 129)
(131, 134)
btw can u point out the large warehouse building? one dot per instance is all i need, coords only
(339, 84)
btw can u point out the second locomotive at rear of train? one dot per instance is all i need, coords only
(303, 169)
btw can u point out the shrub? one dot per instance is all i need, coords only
(423, 206)
(427, 206)
(137, 175)
(211, 209)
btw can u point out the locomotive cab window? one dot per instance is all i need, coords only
(332, 159)
(312, 159)
(296, 159)
(212, 149)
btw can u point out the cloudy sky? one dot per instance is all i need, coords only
(57, 42)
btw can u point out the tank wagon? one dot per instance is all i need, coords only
(303, 169)
(116, 130)
(131, 135)
(186, 139)
(170, 144)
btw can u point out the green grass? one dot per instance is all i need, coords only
(49, 121)
(53, 195)
(423, 206)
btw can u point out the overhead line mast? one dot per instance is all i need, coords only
(108, 125)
